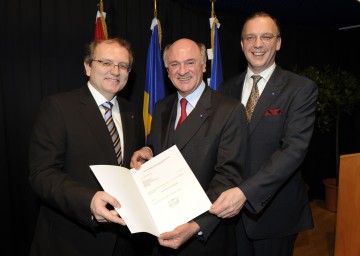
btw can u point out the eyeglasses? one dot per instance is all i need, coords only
(109, 65)
(265, 38)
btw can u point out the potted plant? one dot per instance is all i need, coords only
(339, 93)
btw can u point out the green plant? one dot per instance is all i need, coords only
(339, 93)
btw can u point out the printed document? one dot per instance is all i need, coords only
(163, 194)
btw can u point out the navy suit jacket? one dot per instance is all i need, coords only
(69, 135)
(279, 134)
(212, 140)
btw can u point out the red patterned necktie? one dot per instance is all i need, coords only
(183, 116)
(253, 98)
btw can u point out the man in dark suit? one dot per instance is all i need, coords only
(212, 141)
(76, 217)
(279, 132)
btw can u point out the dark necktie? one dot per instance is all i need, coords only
(112, 130)
(253, 98)
(183, 116)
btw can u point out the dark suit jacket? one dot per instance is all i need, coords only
(69, 135)
(212, 140)
(279, 134)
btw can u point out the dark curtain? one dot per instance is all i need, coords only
(42, 45)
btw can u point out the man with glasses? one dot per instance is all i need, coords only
(76, 217)
(272, 198)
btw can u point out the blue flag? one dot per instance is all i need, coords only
(216, 70)
(155, 86)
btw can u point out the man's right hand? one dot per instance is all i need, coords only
(141, 156)
(99, 210)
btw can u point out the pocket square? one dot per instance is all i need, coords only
(273, 112)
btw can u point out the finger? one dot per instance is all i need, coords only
(114, 212)
(214, 210)
(102, 220)
(217, 206)
(220, 213)
(110, 200)
(135, 163)
(115, 217)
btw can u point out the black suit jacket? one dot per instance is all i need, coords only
(212, 140)
(69, 135)
(279, 134)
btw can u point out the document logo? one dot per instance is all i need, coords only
(173, 202)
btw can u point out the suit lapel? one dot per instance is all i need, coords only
(128, 125)
(195, 119)
(167, 115)
(238, 88)
(95, 122)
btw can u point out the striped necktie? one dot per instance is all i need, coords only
(253, 98)
(112, 130)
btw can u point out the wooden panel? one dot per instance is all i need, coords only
(347, 237)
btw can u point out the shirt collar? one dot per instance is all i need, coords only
(99, 98)
(266, 74)
(195, 95)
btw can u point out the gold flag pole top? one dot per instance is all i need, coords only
(215, 22)
(212, 9)
(158, 21)
(101, 9)
(155, 10)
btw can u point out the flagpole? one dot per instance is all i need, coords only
(101, 6)
(216, 68)
(158, 21)
(102, 17)
(155, 10)
(215, 22)
(154, 83)
(212, 8)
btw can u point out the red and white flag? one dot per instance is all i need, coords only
(100, 24)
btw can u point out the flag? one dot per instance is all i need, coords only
(100, 24)
(216, 77)
(155, 86)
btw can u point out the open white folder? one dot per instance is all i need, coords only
(163, 194)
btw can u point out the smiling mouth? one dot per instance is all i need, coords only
(184, 79)
(113, 80)
(258, 53)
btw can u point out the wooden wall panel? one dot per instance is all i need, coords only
(347, 237)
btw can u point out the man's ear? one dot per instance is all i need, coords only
(87, 68)
(278, 44)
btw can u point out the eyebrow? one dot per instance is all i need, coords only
(192, 59)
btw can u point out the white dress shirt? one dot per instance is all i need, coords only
(192, 99)
(100, 99)
(248, 82)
